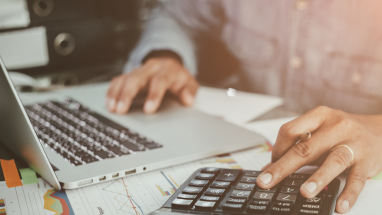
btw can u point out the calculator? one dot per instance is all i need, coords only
(232, 191)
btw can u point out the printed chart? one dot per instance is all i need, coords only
(134, 195)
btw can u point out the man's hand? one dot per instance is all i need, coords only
(329, 129)
(156, 76)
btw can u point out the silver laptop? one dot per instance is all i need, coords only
(71, 139)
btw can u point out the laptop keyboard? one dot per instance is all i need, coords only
(82, 136)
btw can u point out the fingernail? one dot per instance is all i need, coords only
(266, 178)
(111, 103)
(149, 106)
(120, 107)
(311, 187)
(188, 99)
(345, 205)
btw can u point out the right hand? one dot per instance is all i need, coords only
(156, 76)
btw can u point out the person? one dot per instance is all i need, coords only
(323, 57)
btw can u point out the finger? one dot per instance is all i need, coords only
(266, 166)
(188, 93)
(157, 89)
(116, 86)
(131, 86)
(337, 161)
(299, 155)
(354, 185)
(290, 132)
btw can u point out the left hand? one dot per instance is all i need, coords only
(329, 128)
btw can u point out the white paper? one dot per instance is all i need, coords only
(237, 109)
(24, 48)
(268, 128)
(14, 14)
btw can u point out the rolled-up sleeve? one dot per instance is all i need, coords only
(173, 26)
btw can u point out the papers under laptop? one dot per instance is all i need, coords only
(87, 144)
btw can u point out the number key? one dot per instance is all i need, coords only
(240, 194)
(248, 179)
(270, 190)
(293, 182)
(290, 190)
(286, 197)
(263, 196)
(212, 170)
(252, 173)
(243, 186)
(205, 206)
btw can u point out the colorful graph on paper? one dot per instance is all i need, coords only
(172, 183)
(3, 210)
(57, 202)
(123, 197)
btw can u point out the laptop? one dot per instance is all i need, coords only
(72, 140)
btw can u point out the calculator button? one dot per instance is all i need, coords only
(220, 184)
(293, 182)
(311, 206)
(232, 207)
(214, 192)
(210, 198)
(286, 197)
(182, 204)
(284, 204)
(280, 210)
(205, 206)
(263, 196)
(228, 175)
(305, 211)
(192, 190)
(212, 170)
(252, 173)
(316, 200)
(243, 186)
(204, 176)
(298, 176)
(260, 202)
(248, 179)
(186, 196)
(237, 201)
(291, 190)
(270, 190)
(240, 194)
(257, 209)
(198, 183)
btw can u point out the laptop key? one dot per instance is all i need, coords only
(103, 154)
(134, 147)
(118, 150)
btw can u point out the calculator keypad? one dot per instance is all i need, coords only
(230, 190)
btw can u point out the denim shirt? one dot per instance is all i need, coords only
(310, 52)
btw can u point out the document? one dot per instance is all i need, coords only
(234, 106)
(24, 48)
(14, 14)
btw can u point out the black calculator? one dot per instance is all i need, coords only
(232, 191)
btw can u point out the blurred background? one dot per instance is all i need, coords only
(73, 42)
